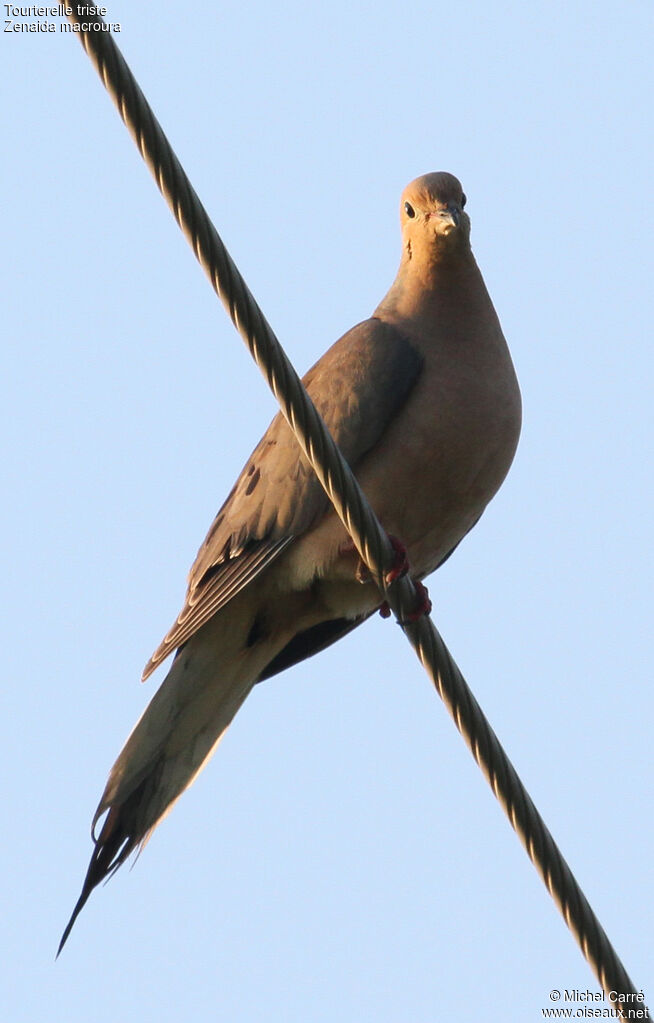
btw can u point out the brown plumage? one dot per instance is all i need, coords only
(423, 401)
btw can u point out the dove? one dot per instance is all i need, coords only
(423, 401)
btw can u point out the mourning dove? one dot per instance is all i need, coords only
(423, 401)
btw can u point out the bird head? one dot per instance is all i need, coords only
(432, 216)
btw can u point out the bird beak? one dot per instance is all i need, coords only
(451, 215)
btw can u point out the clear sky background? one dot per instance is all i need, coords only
(342, 856)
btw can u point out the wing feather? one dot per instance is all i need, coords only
(357, 386)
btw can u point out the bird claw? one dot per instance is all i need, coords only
(362, 572)
(400, 565)
(399, 568)
(423, 606)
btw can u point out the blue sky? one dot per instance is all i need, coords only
(342, 855)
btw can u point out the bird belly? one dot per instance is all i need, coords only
(452, 451)
(429, 478)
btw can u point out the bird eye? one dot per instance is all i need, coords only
(463, 200)
(409, 210)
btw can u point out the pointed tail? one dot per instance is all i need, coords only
(175, 737)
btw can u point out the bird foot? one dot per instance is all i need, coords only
(361, 572)
(399, 567)
(423, 606)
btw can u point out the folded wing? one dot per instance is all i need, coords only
(358, 387)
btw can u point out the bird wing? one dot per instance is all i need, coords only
(358, 386)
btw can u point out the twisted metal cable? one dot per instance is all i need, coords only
(350, 503)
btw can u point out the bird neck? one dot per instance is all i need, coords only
(425, 288)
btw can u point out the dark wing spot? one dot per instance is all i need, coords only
(256, 476)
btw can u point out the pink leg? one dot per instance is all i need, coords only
(399, 568)
(423, 607)
(400, 565)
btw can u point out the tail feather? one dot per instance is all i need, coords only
(208, 681)
(137, 805)
(173, 740)
(112, 847)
